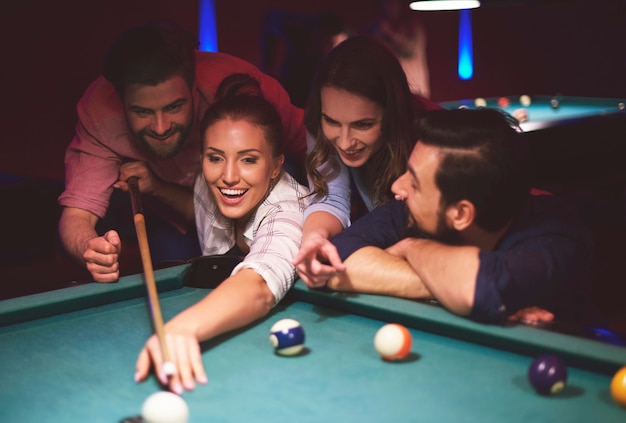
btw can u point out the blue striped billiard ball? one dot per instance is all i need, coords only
(287, 337)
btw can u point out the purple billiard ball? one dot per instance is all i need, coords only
(554, 103)
(547, 374)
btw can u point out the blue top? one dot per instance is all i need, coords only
(340, 179)
(543, 260)
(344, 181)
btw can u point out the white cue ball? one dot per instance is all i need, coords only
(480, 102)
(524, 100)
(165, 407)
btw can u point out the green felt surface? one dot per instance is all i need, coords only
(78, 366)
(582, 352)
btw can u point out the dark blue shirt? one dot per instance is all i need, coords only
(544, 259)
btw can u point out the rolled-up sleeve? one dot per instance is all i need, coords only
(276, 243)
(338, 200)
(91, 166)
(277, 235)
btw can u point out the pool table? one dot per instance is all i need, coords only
(68, 356)
(579, 144)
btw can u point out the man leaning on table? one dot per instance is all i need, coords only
(466, 231)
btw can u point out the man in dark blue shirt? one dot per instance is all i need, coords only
(465, 230)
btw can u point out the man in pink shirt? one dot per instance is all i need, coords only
(141, 119)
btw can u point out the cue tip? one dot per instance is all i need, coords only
(169, 369)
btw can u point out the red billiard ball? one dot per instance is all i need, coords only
(618, 386)
(547, 374)
(503, 102)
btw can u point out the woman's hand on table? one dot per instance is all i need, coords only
(185, 354)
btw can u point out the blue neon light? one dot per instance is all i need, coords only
(466, 52)
(207, 30)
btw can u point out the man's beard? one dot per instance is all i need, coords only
(164, 151)
(443, 233)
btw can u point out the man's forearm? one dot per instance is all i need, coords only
(372, 270)
(449, 272)
(76, 228)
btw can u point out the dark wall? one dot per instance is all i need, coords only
(53, 50)
(573, 47)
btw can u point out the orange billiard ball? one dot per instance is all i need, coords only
(393, 342)
(618, 386)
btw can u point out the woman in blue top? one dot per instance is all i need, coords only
(359, 120)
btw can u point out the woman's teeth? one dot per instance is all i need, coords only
(233, 192)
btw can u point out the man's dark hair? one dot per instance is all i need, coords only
(484, 161)
(150, 54)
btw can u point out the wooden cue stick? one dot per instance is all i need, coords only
(153, 297)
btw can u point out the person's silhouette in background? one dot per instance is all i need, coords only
(404, 33)
(292, 44)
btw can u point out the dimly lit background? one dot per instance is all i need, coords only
(53, 50)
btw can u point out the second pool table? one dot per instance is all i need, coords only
(578, 144)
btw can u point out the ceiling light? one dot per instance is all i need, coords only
(444, 4)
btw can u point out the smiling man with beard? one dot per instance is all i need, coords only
(141, 118)
(465, 230)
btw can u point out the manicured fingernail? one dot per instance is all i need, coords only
(202, 379)
(177, 388)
